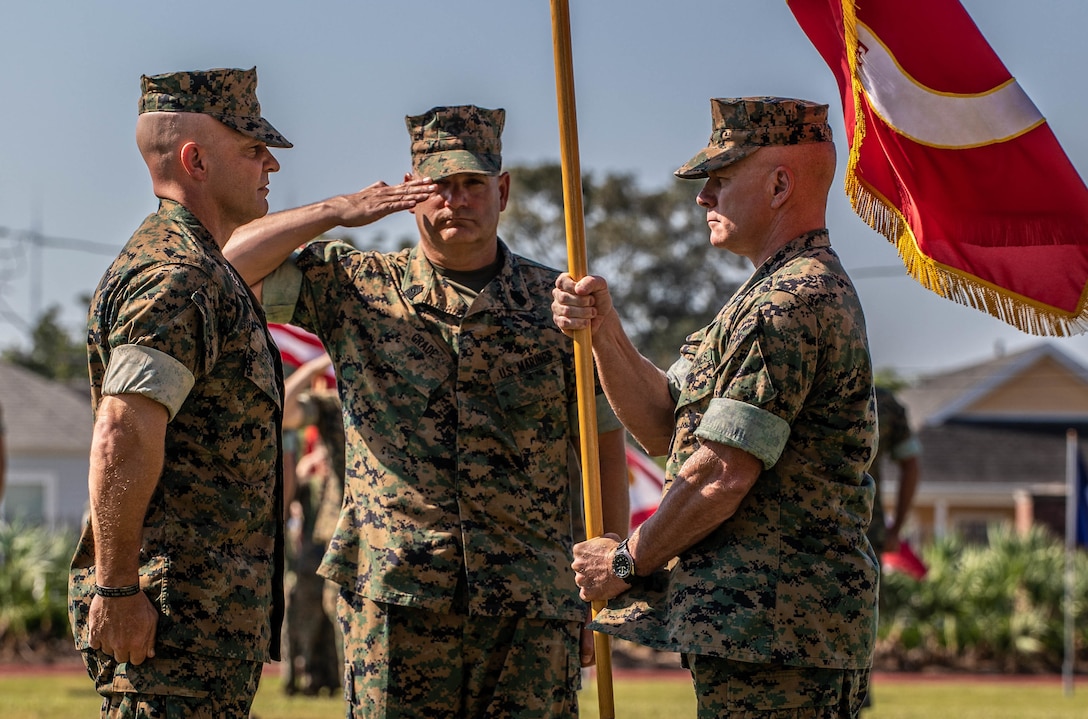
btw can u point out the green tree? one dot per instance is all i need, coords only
(890, 379)
(651, 245)
(53, 352)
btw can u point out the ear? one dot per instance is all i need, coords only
(783, 184)
(504, 190)
(193, 160)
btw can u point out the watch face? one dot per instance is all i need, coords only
(622, 566)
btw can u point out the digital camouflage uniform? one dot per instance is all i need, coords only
(170, 312)
(454, 543)
(172, 320)
(785, 589)
(459, 423)
(896, 443)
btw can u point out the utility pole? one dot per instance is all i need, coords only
(35, 240)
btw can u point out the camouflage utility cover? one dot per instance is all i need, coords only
(461, 138)
(228, 95)
(783, 373)
(211, 559)
(459, 421)
(742, 125)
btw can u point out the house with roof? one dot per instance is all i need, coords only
(47, 437)
(994, 443)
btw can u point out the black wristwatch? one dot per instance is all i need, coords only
(623, 564)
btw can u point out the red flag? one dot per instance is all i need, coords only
(952, 162)
(904, 560)
(645, 482)
(297, 346)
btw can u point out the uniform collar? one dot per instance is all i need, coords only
(423, 286)
(803, 244)
(815, 239)
(174, 210)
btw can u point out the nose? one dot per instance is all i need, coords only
(271, 163)
(705, 198)
(453, 195)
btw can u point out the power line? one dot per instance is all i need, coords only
(10, 316)
(64, 243)
(865, 273)
(18, 263)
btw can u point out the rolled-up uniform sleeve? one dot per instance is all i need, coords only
(135, 369)
(280, 291)
(767, 369)
(741, 425)
(164, 336)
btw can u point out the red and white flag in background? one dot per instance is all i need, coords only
(645, 482)
(297, 346)
(953, 163)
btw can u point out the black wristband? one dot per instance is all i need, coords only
(128, 591)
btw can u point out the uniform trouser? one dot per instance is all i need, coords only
(729, 689)
(174, 685)
(312, 649)
(409, 662)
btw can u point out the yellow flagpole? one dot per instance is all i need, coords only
(583, 341)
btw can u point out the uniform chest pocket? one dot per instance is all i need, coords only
(236, 346)
(411, 363)
(533, 416)
(402, 389)
(515, 389)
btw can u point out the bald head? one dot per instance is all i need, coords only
(806, 173)
(217, 172)
(812, 164)
(816, 165)
(161, 135)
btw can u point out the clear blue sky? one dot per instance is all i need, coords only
(337, 79)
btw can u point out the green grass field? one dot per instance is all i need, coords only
(69, 696)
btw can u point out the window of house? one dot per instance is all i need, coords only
(974, 529)
(30, 497)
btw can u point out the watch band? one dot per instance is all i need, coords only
(128, 591)
(623, 564)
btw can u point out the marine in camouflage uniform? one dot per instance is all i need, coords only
(453, 546)
(173, 328)
(313, 642)
(772, 598)
(899, 445)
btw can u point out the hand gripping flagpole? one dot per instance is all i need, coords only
(583, 341)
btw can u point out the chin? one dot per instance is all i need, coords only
(453, 235)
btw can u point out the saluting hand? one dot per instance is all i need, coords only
(380, 199)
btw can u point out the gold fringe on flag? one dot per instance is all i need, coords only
(953, 284)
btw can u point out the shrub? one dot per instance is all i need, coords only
(998, 607)
(34, 565)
